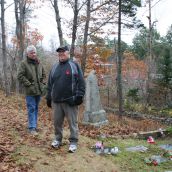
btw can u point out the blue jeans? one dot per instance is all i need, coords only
(32, 108)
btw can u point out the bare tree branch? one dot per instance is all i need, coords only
(107, 21)
(51, 3)
(95, 9)
(9, 6)
(82, 5)
(72, 5)
(7, 53)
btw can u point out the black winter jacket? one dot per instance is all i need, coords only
(65, 83)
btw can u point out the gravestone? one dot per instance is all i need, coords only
(94, 113)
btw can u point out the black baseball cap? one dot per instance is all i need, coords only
(62, 48)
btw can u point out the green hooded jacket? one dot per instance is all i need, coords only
(32, 75)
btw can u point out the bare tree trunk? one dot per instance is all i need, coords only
(4, 56)
(74, 29)
(119, 75)
(84, 55)
(20, 14)
(58, 21)
(20, 26)
(149, 60)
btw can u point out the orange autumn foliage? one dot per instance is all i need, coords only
(94, 63)
(103, 52)
(31, 37)
(34, 37)
(131, 67)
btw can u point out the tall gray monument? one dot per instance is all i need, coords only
(94, 113)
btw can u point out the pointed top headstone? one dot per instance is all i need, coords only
(94, 113)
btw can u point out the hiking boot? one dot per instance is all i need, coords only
(56, 144)
(72, 148)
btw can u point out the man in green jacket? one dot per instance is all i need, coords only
(31, 75)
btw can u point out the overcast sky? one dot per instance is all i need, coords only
(161, 13)
(45, 21)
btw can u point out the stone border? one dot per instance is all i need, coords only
(141, 135)
(154, 134)
(139, 116)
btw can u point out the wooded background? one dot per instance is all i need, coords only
(136, 76)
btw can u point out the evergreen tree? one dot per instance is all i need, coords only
(169, 36)
(129, 10)
(140, 44)
(165, 70)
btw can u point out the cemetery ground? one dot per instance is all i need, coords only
(21, 152)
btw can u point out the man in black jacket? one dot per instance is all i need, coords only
(66, 89)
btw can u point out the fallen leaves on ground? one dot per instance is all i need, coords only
(119, 127)
(13, 129)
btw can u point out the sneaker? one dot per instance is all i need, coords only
(72, 148)
(34, 132)
(56, 144)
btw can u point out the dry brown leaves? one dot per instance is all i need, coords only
(11, 122)
(13, 129)
(119, 127)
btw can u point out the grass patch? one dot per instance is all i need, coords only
(152, 110)
(134, 161)
(169, 130)
(26, 155)
(20, 156)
